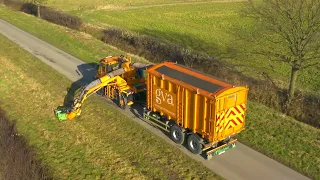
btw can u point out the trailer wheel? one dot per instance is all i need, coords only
(176, 134)
(194, 144)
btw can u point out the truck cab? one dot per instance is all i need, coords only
(108, 64)
(134, 86)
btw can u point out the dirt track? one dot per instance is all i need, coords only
(239, 163)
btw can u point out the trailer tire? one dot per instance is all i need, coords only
(176, 134)
(194, 144)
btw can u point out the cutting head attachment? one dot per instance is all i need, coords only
(61, 113)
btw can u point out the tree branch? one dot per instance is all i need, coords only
(311, 58)
(314, 64)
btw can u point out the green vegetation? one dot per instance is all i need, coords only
(101, 144)
(272, 133)
(216, 28)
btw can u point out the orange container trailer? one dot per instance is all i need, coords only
(195, 108)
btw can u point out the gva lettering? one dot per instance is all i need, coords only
(163, 97)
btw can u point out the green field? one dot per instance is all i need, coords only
(214, 27)
(284, 139)
(119, 4)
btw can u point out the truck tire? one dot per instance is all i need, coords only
(123, 101)
(194, 144)
(116, 96)
(101, 92)
(176, 134)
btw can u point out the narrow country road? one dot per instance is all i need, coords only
(239, 163)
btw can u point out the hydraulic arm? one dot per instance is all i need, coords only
(64, 113)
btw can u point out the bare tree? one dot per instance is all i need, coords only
(293, 28)
(38, 3)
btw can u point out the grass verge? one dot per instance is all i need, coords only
(277, 136)
(101, 144)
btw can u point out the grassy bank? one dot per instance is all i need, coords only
(275, 135)
(101, 144)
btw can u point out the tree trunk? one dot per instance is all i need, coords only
(38, 6)
(293, 79)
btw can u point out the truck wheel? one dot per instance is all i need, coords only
(101, 92)
(194, 144)
(115, 97)
(176, 134)
(123, 101)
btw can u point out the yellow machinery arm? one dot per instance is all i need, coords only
(94, 86)
(113, 72)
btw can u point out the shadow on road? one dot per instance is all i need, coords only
(88, 72)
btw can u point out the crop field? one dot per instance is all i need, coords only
(274, 134)
(215, 27)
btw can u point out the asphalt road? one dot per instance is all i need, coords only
(241, 162)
